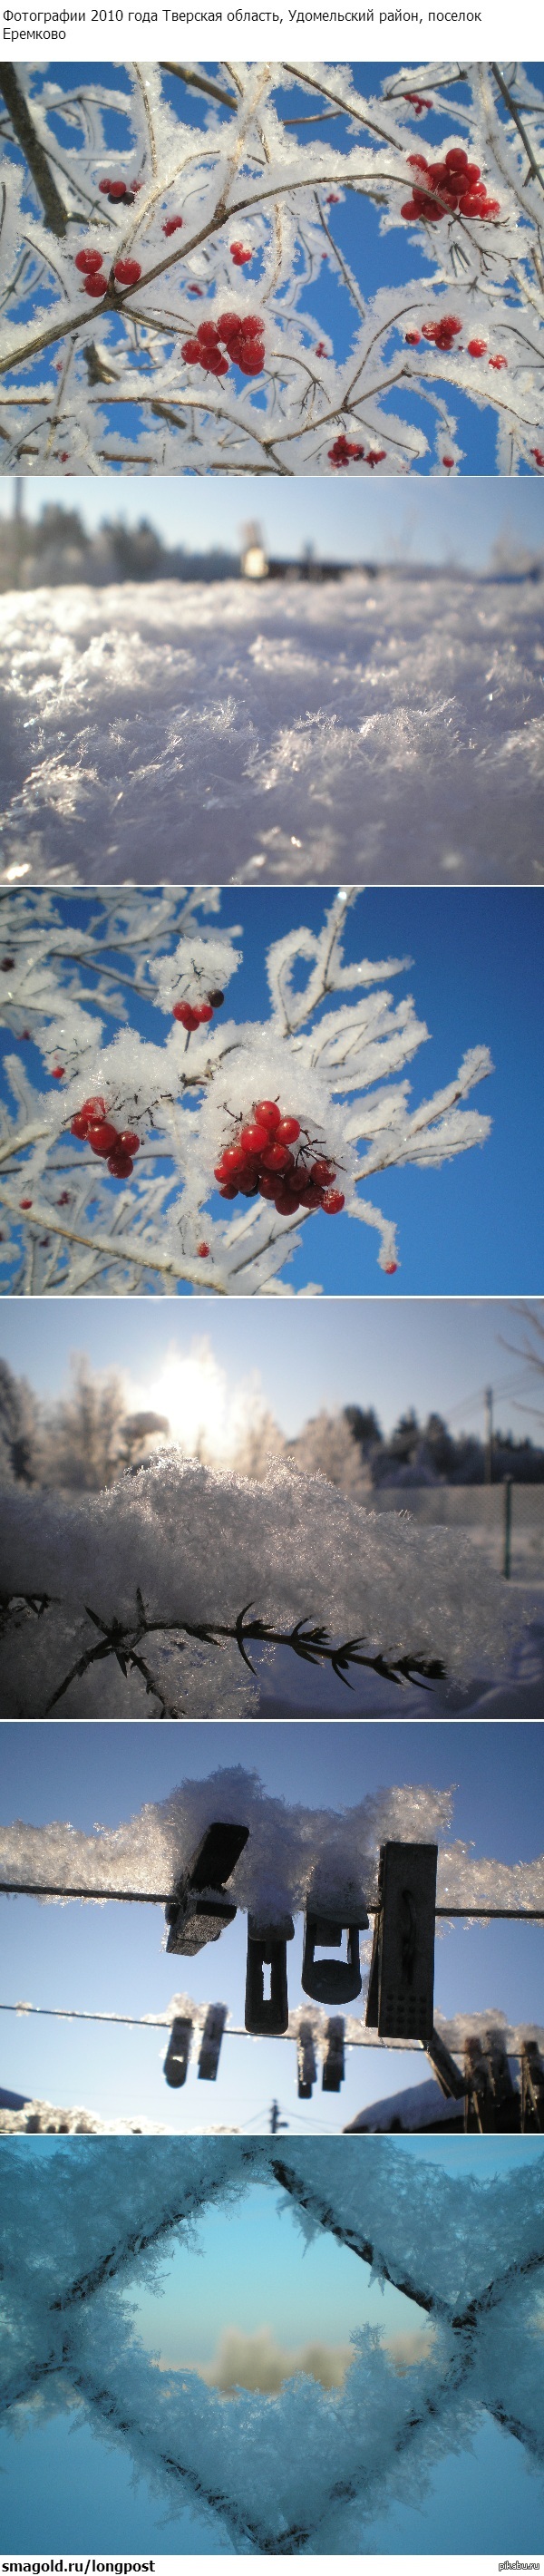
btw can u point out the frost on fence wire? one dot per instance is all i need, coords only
(296, 1857)
(284, 1117)
(160, 1596)
(163, 292)
(306, 2471)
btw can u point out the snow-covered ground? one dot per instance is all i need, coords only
(389, 730)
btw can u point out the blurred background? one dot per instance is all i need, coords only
(108, 530)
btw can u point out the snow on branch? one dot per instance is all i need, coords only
(106, 1175)
(307, 2470)
(165, 294)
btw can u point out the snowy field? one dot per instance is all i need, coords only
(389, 731)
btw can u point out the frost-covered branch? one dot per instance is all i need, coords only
(157, 1135)
(199, 248)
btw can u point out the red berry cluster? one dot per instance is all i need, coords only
(240, 256)
(241, 335)
(414, 100)
(346, 448)
(119, 192)
(116, 1146)
(126, 271)
(451, 187)
(444, 332)
(192, 1014)
(260, 1163)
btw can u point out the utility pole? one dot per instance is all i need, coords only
(275, 2122)
(488, 1397)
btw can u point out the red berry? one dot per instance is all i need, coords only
(184, 1011)
(228, 1190)
(205, 1011)
(416, 161)
(25, 1033)
(174, 225)
(80, 1125)
(497, 362)
(538, 457)
(321, 1171)
(254, 1138)
(129, 1143)
(390, 1267)
(376, 455)
(87, 260)
(320, 350)
(332, 1202)
(5, 963)
(277, 1158)
(268, 1114)
(249, 1188)
(95, 285)
(412, 339)
(232, 1159)
(239, 255)
(268, 1185)
(114, 188)
(65, 1198)
(476, 348)
(102, 1137)
(120, 1166)
(310, 1195)
(456, 159)
(127, 272)
(216, 999)
(87, 1106)
(286, 1131)
(57, 1072)
(286, 1203)
(203, 1250)
(25, 1203)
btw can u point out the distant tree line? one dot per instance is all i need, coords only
(57, 548)
(87, 1439)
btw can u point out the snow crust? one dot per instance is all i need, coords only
(179, 1542)
(390, 731)
(303, 2472)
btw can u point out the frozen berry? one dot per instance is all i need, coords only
(287, 1130)
(412, 339)
(310, 1195)
(205, 1011)
(497, 362)
(87, 260)
(80, 1125)
(65, 1198)
(390, 1267)
(25, 1203)
(184, 1012)
(95, 285)
(267, 1113)
(57, 1071)
(277, 1158)
(216, 998)
(102, 1137)
(203, 1251)
(127, 1141)
(286, 1203)
(254, 1138)
(321, 1171)
(332, 1202)
(127, 272)
(174, 225)
(239, 255)
(448, 461)
(538, 457)
(87, 1106)
(5, 964)
(120, 1166)
(320, 349)
(232, 1160)
(228, 1190)
(476, 348)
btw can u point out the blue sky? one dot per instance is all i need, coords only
(476, 1226)
(435, 1354)
(109, 1958)
(457, 522)
(380, 260)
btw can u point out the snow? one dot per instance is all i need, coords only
(388, 731)
(180, 1546)
(296, 1857)
(301, 2473)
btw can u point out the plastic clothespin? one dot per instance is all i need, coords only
(400, 2001)
(178, 2052)
(306, 2065)
(210, 2044)
(332, 1981)
(333, 2062)
(267, 2015)
(199, 1910)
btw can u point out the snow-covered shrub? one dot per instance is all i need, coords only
(175, 274)
(303, 2472)
(140, 1133)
